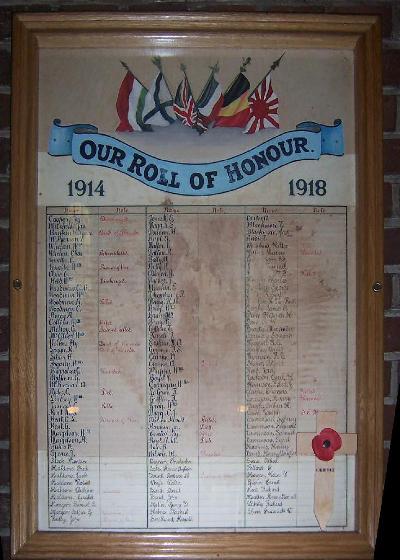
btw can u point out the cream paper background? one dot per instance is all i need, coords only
(81, 86)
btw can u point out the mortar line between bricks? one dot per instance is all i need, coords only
(392, 313)
(392, 268)
(390, 356)
(4, 532)
(391, 90)
(391, 135)
(389, 401)
(4, 356)
(393, 44)
(392, 178)
(392, 223)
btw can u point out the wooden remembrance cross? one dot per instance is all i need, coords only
(324, 444)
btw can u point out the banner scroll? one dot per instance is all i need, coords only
(87, 146)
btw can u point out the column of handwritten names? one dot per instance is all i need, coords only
(73, 429)
(172, 323)
(271, 369)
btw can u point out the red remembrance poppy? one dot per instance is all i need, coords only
(326, 443)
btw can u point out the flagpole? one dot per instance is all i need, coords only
(273, 66)
(183, 68)
(195, 127)
(124, 64)
(245, 62)
(156, 60)
(214, 69)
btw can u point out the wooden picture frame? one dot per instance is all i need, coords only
(359, 35)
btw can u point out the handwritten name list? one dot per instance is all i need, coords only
(186, 347)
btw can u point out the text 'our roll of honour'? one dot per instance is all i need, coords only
(140, 167)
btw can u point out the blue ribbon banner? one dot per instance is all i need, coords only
(308, 142)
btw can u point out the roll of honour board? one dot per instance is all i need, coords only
(197, 290)
(153, 313)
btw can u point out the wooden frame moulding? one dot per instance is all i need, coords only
(35, 31)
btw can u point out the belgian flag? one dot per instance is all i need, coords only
(235, 110)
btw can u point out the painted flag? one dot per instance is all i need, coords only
(235, 108)
(210, 100)
(130, 104)
(185, 107)
(158, 106)
(264, 105)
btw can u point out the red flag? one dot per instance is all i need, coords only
(263, 105)
(130, 103)
(123, 103)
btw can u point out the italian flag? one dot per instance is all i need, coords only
(130, 104)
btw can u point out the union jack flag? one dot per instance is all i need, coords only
(185, 107)
(263, 105)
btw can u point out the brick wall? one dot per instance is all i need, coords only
(390, 13)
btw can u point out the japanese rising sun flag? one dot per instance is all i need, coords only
(263, 105)
(130, 103)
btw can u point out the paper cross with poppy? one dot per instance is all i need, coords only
(324, 445)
